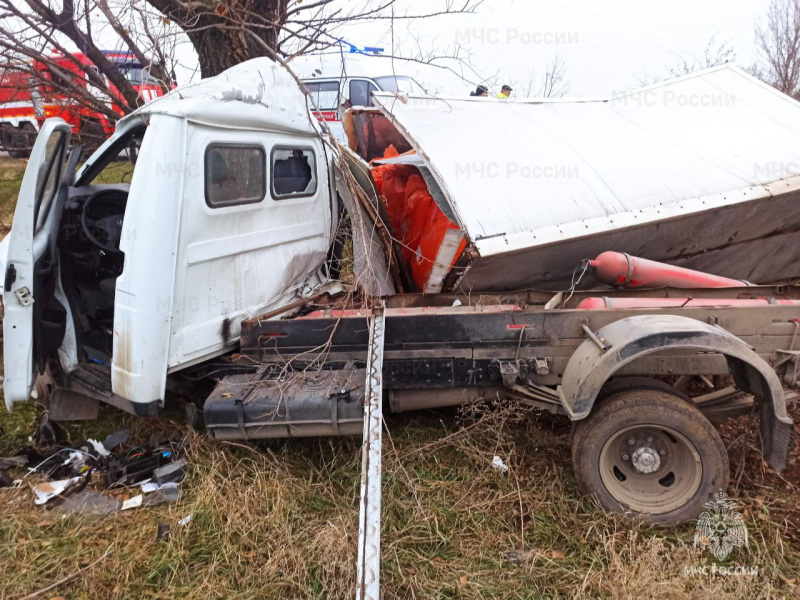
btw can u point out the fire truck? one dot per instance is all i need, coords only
(26, 100)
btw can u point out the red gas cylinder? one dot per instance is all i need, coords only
(625, 271)
(595, 303)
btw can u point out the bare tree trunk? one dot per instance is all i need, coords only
(217, 30)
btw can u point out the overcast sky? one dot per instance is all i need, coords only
(607, 44)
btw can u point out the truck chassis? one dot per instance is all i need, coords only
(641, 444)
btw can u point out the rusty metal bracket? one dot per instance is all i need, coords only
(601, 342)
(369, 521)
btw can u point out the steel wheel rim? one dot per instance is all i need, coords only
(650, 469)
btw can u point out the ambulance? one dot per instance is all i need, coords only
(338, 80)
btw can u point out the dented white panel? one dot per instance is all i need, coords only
(524, 173)
(236, 262)
(257, 94)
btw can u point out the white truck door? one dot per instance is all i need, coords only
(255, 228)
(30, 268)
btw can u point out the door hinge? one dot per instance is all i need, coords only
(24, 296)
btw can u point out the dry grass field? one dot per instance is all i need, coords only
(280, 519)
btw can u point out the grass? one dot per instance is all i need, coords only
(280, 520)
(12, 170)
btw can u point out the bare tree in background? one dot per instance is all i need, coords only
(227, 32)
(715, 53)
(223, 33)
(553, 83)
(33, 34)
(778, 43)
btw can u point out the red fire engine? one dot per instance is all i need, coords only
(26, 101)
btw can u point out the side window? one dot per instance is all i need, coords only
(294, 172)
(361, 92)
(325, 94)
(49, 177)
(235, 174)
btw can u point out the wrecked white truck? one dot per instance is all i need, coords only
(220, 259)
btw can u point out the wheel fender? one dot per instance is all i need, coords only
(633, 337)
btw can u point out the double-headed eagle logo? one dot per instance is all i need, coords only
(720, 528)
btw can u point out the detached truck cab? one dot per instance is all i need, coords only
(110, 287)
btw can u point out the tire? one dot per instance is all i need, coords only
(19, 142)
(631, 384)
(675, 463)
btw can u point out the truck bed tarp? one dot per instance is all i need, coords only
(540, 179)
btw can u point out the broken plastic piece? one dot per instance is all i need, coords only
(50, 489)
(98, 447)
(134, 502)
(185, 520)
(499, 464)
(148, 486)
(89, 503)
(171, 472)
(115, 439)
(162, 496)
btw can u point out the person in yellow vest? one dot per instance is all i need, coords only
(505, 92)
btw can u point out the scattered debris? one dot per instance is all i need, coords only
(499, 465)
(115, 439)
(148, 486)
(185, 520)
(136, 468)
(89, 503)
(163, 496)
(173, 472)
(68, 470)
(134, 502)
(50, 489)
(13, 461)
(99, 447)
(162, 532)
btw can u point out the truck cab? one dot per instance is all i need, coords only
(111, 286)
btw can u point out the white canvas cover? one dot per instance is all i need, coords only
(524, 174)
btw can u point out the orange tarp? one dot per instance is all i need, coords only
(416, 220)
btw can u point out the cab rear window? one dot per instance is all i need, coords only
(235, 174)
(294, 172)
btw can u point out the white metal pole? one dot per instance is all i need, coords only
(369, 522)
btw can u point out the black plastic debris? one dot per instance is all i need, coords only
(130, 471)
(170, 473)
(66, 470)
(116, 439)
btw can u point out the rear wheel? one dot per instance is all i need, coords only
(649, 452)
(18, 141)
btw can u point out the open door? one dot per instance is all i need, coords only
(33, 325)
